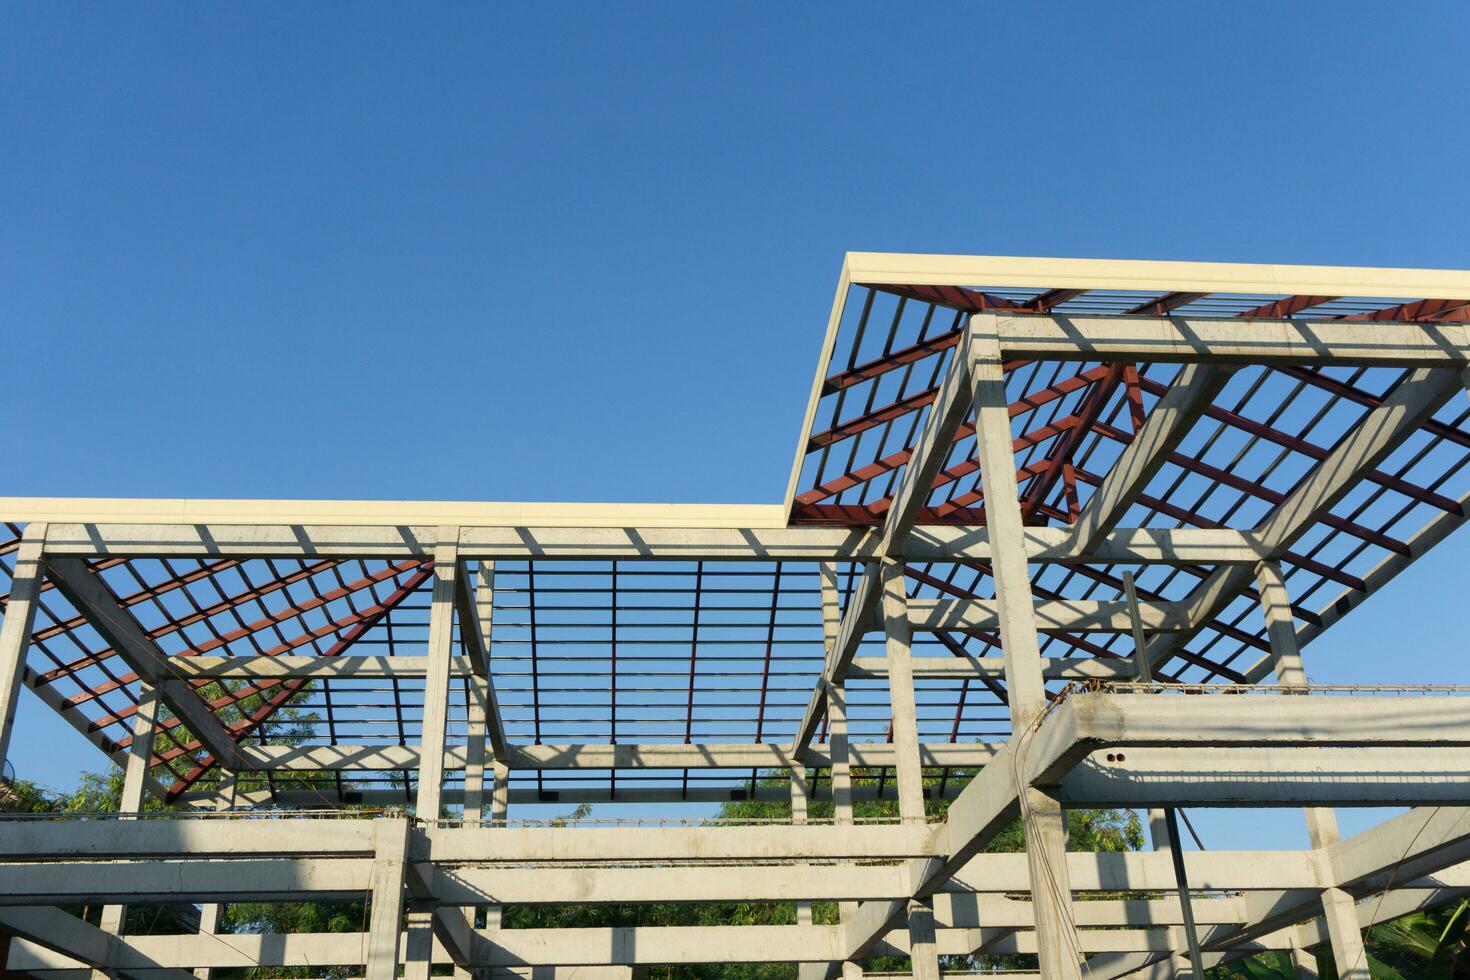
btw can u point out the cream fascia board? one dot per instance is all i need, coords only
(829, 340)
(992, 271)
(385, 513)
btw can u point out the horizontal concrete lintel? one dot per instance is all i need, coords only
(653, 756)
(1229, 339)
(1254, 777)
(84, 535)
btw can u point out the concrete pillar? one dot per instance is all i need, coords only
(419, 940)
(1286, 656)
(386, 914)
(837, 737)
(836, 702)
(800, 793)
(500, 793)
(1142, 673)
(436, 683)
(1163, 842)
(896, 629)
(479, 702)
(1339, 910)
(477, 740)
(1051, 889)
(135, 777)
(209, 911)
(140, 752)
(1158, 830)
(15, 632)
(474, 766)
(923, 950)
(499, 814)
(1304, 961)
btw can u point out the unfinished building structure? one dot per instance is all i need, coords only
(1057, 535)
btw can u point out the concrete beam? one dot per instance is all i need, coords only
(1052, 616)
(1270, 880)
(973, 667)
(1252, 777)
(661, 944)
(755, 843)
(1232, 340)
(469, 885)
(595, 756)
(937, 543)
(165, 837)
(81, 941)
(184, 878)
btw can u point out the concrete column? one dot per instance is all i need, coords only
(1286, 656)
(836, 702)
(923, 950)
(837, 737)
(1163, 842)
(140, 751)
(499, 814)
(1045, 829)
(1304, 961)
(800, 793)
(135, 777)
(209, 911)
(386, 914)
(910, 774)
(474, 769)
(474, 766)
(436, 683)
(15, 632)
(419, 942)
(1141, 671)
(1158, 830)
(1339, 910)
(479, 703)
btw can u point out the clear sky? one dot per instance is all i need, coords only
(475, 252)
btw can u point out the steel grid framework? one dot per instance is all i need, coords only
(1193, 471)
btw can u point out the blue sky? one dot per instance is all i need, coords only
(471, 252)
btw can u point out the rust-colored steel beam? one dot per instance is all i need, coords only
(1424, 309)
(953, 297)
(1164, 305)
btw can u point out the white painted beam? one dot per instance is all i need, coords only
(936, 543)
(1232, 340)
(600, 756)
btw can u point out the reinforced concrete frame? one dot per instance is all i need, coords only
(1055, 537)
